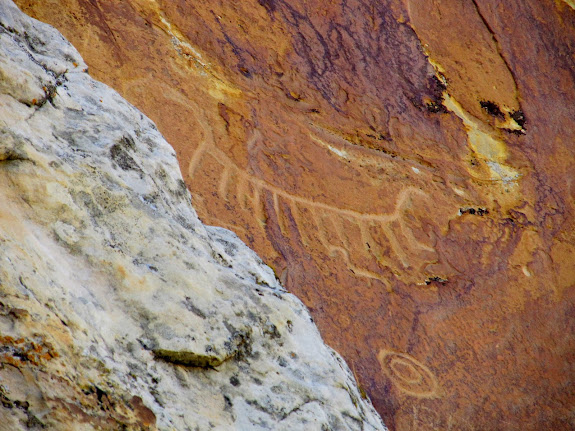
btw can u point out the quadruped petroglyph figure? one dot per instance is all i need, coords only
(380, 241)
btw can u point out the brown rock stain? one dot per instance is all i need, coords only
(41, 387)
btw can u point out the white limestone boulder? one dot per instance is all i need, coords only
(119, 309)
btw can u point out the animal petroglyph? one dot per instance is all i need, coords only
(408, 374)
(371, 244)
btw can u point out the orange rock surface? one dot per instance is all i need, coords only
(406, 167)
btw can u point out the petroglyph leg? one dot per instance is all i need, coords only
(224, 183)
(242, 186)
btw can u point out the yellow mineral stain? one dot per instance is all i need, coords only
(219, 88)
(509, 123)
(489, 149)
(439, 69)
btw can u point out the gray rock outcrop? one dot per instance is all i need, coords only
(119, 309)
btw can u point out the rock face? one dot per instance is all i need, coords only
(119, 309)
(405, 166)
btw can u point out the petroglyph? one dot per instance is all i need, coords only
(382, 239)
(383, 243)
(363, 155)
(408, 374)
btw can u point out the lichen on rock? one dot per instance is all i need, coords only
(119, 309)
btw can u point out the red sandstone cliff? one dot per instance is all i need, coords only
(407, 168)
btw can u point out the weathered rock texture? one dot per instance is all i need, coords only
(119, 309)
(405, 166)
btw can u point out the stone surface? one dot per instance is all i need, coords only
(406, 167)
(119, 309)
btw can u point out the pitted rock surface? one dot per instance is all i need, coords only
(404, 166)
(119, 309)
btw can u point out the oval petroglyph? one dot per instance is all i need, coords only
(408, 374)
